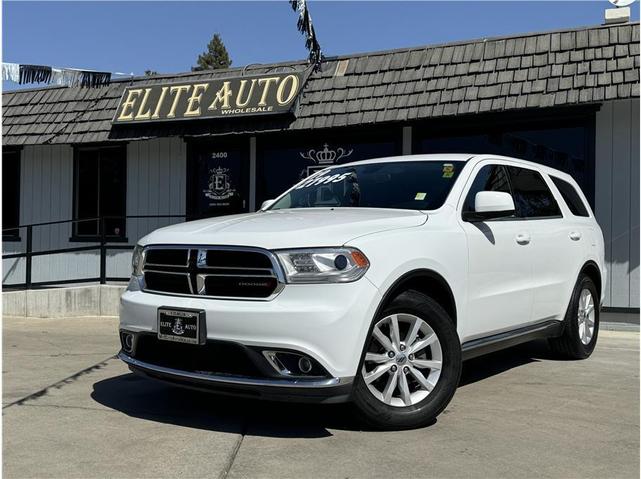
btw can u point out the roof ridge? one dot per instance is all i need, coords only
(480, 40)
(343, 57)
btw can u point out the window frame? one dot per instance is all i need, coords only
(586, 207)
(504, 164)
(14, 237)
(542, 175)
(468, 186)
(75, 237)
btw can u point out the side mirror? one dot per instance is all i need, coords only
(266, 204)
(490, 205)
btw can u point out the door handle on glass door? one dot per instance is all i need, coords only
(523, 238)
(575, 235)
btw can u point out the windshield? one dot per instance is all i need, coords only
(414, 185)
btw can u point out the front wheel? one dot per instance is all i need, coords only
(411, 364)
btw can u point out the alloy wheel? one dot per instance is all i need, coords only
(586, 316)
(403, 361)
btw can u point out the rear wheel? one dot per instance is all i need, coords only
(581, 322)
(411, 364)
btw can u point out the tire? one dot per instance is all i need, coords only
(418, 406)
(578, 340)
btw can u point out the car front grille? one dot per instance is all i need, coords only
(212, 271)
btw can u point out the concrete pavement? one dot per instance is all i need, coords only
(71, 410)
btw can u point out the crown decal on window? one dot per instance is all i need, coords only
(326, 156)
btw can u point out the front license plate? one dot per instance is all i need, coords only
(181, 325)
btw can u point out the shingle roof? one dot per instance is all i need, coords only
(569, 67)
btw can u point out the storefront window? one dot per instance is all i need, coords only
(10, 194)
(283, 164)
(100, 179)
(563, 147)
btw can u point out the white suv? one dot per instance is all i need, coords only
(369, 282)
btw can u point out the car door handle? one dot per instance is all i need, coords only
(523, 238)
(575, 235)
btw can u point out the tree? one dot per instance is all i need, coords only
(150, 73)
(215, 57)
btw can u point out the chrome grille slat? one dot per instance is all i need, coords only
(159, 271)
(213, 280)
(206, 275)
(207, 268)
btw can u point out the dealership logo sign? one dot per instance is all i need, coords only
(323, 158)
(215, 98)
(178, 327)
(219, 186)
(326, 156)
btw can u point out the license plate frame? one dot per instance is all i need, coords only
(170, 329)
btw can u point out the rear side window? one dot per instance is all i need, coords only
(489, 178)
(571, 197)
(532, 197)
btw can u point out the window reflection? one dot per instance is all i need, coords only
(563, 148)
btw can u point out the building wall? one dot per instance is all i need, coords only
(156, 179)
(617, 198)
(156, 172)
(156, 183)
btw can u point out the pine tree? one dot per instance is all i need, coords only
(215, 57)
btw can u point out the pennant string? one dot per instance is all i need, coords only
(71, 77)
(11, 72)
(34, 74)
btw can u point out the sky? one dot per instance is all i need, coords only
(168, 36)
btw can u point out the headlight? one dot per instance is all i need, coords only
(323, 265)
(136, 261)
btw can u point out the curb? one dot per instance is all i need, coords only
(613, 326)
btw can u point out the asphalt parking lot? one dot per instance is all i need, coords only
(72, 410)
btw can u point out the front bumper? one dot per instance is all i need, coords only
(331, 390)
(328, 323)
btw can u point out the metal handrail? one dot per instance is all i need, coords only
(95, 219)
(102, 246)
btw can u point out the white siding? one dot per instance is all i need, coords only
(617, 198)
(156, 172)
(156, 183)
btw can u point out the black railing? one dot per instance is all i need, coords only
(104, 244)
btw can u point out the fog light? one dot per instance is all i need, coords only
(305, 365)
(128, 342)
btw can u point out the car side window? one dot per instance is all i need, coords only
(489, 178)
(571, 197)
(532, 197)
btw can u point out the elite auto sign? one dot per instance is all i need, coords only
(210, 98)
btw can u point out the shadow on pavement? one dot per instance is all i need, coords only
(499, 362)
(155, 401)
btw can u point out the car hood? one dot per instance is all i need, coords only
(295, 228)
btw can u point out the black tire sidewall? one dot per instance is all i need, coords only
(381, 415)
(579, 349)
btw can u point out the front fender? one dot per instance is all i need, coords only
(393, 254)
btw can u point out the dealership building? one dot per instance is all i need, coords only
(101, 167)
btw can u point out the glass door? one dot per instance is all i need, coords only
(219, 182)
